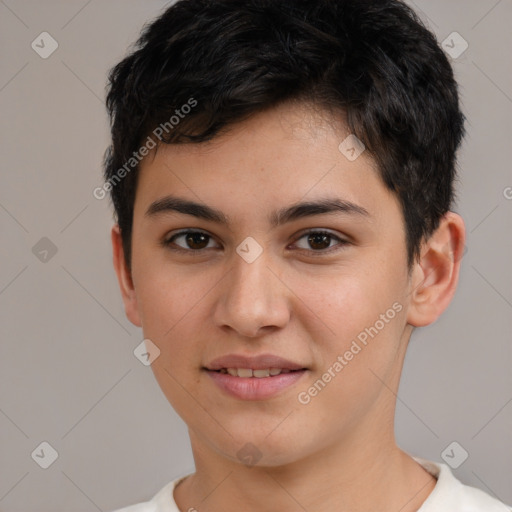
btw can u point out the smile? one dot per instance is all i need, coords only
(259, 374)
(248, 384)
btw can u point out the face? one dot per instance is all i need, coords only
(252, 276)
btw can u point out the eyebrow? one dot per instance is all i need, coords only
(277, 218)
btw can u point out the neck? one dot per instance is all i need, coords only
(344, 477)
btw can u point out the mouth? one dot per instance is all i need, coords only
(242, 365)
(248, 373)
(254, 378)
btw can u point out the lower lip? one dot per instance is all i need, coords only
(254, 388)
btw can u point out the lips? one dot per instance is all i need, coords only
(254, 378)
(261, 362)
(258, 374)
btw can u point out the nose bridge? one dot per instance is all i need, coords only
(252, 296)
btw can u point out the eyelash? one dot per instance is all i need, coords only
(197, 252)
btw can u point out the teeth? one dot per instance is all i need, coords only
(261, 373)
(248, 372)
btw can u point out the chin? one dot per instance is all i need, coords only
(257, 450)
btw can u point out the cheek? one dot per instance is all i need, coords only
(365, 313)
(347, 301)
(170, 305)
(166, 293)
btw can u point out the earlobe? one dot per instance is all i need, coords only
(124, 278)
(436, 273)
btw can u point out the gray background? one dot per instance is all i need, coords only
(68, 375)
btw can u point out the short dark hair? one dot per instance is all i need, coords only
(373, 62)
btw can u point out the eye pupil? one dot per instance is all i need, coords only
(196, 238)
(196, 242)
(319, 238)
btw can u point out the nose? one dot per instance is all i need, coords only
(252, 298)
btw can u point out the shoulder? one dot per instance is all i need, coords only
(451, 495)
(163, 501)
(139, 507)
(147, 506)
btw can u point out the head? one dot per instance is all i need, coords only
(243, 108)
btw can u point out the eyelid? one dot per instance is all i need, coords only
(322, 231)
(166, 242)
(311, 231)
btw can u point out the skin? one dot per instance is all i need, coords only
(338, 452)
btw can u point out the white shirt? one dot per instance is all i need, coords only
(449, 495)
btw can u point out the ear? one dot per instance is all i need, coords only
(436, 273)
(125, 279)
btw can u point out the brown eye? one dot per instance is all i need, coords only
(196, 240)
(193, 241)
(320, 242)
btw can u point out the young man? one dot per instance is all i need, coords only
(282, 176)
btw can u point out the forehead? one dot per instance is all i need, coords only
(280, 156)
